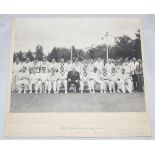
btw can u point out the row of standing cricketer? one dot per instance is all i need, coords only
(45, 77)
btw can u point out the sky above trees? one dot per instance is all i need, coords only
(67, 31)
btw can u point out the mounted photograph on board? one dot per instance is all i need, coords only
(64, 67)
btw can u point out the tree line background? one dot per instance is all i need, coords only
(124, 47)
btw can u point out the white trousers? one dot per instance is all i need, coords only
(42, 85)
(64, 82)
(112, 86)
(51, 85)
(121, 85)
(82, 82)
(22, 84)
(125, 85)
(33, 83)
(95, 81)
(105, 85)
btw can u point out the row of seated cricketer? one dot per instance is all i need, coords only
(122, 76)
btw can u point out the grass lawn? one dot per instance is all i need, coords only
(76, 102)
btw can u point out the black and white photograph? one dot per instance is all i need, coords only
(77, 64)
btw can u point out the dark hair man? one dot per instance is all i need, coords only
(139, 73)
(73, 77)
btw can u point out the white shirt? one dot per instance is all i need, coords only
(95, 76)
(27, 66)
(34, 77)
(22, 76)
(53, 65)
(91, 67)
(77, 67)
(17, 67)
(52, 76)
(43, 76)
(133, 66)
(118, 69)
(44, 65)
(68, 67)
(113, 76)
(127, 67)
(99, 65)
(104, 76)
(124, 76)
(62, 75)
(85, 71)
(62, 66)
(109, 66)
(35, 66)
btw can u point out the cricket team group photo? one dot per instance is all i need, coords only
(77, 65)
(47, 77)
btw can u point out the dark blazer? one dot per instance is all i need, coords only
(73, 76)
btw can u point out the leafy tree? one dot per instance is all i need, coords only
(127, 47)
(123, 47)
(92, 53)
(39, 52)
(49, 56)
(20, 55)
(97, 52)
(65, 53)
(53, 55)
(80, 54)
(29, 55)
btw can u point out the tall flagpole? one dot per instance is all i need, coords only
(71, 54)
(107, 48)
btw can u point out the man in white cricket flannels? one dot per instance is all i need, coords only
(84, 76)
(62, 65)
(124, 82)
(95, 79)
(27, 65)
(105, 80)
(43, 81)
(22, 81)
(99, 64)
(33, 80)
(53, 64)
(35, 65)
(62, 79)
(69, 66)
(112, 80)
(91, 65)
(77, 65)
(52, 81)
(109, 65)
(118, 66)
(127, 66)
(17, 66)
(44, 64)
